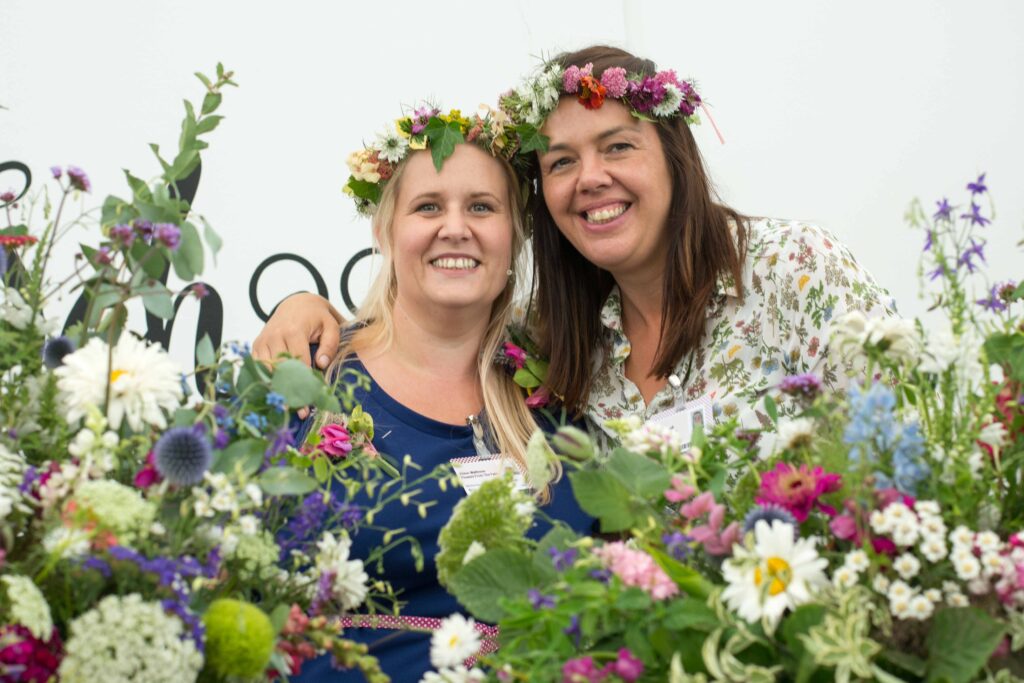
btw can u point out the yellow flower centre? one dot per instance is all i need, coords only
(116, 375)
(453, 641)
(776, 573)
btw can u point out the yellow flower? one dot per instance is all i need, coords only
(804, 279)
(734, 350)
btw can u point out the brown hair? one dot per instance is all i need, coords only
(571, 291)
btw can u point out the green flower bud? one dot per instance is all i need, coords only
(572, 442)
(239, 638)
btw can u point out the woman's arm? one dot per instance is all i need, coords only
(297, 322)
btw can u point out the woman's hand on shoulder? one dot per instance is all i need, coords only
(300, 320)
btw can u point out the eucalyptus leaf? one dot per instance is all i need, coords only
(298, 383)
(159, 303)
(771, 409)
(244, 456)
(526, 379)
(213, 240)
(204, 351)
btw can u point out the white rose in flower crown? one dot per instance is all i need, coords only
(144, 383)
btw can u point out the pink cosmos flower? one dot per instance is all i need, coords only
(798, 489)
(614, 79)
(335, 441)
(539, 398)
(515, 354)
(637, 568)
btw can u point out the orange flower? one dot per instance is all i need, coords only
(591, 92)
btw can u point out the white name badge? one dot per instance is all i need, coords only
(683, 420)
(474, 471)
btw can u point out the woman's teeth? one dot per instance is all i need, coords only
(605, 214)
(455, 263)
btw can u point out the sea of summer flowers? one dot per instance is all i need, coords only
(149, 532)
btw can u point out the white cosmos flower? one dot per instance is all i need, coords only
(143, 382)
(776, 574)
(349, 585)
(456, 641)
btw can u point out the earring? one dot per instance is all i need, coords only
(511, 273)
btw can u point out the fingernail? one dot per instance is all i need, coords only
(323, 360)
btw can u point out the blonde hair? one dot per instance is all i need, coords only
(510, 420)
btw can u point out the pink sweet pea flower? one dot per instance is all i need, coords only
(515, 354)
(680, 490)
(716, 541)
(539, 398)
(335, 441)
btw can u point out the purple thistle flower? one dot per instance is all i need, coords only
(975, 216)
(169, 235)
(57, 172)
(944, 211)
(78, 179)
(769, 512)
(540, 601)
(807, 385)
(562, 559)
(978, 186)
(183, 455)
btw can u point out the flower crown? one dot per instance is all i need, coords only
(648, 97)
(373, 166)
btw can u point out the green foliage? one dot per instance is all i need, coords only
(442, 138)
(960, 642)
(485, 580)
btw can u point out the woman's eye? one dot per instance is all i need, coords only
(427, 207)
(619, 147)
(561, 162)
(481, 207)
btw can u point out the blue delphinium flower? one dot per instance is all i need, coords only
(677, 544)
(255, 420)
(871, 419)
(276, 401)
(944, 211)
(183, 455)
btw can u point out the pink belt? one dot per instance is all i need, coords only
(488, 645)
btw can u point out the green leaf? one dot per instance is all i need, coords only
(191, 247)
(496, 574)
(538, 367)
(210, 102)
(286, 481)
(320, 470)
(208, 124)
(279, 617)
(116, 210)
(771, 409)
(158, 302)
(687, 578)
(647, 477)
(961, 640)
(299, 384)
(530, 139)
(559, 537)
(691, 613)
(245, 455)
(365, 190)
(602, 495)
(156, 151)
(799, 623)
(204, 351)
(442, 137)
(213, 240)
(1007, 350)
(184, 417)
(906, 661)
(139, 188)
(526, 379)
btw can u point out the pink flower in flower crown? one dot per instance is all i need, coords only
(798, 489)
(637, 568)
(335, 440)
(614, 79)
(572, 77)
(515, 354)
(539, 398)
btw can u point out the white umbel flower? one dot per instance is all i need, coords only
(456, 641)
(348, 585)
(144, 382)
(776, 574)
(28, 606)
(125, 639)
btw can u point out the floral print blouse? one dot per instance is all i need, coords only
(796, 278)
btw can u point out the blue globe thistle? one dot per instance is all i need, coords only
(770, 513)
(55, 349)
(183, 455)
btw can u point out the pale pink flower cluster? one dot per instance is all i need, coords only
(637, 568)
(710, 534)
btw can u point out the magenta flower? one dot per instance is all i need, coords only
(35, 659)
(627, 667)
(169, 235)
(807, 385)
(581, 670)
(637, 568)
(149, 474)
(798, 489)
(57, 172)
(614, 79)
(571, 80)
(515, 354)
(539, 398)
(335, 440)
(680, 491)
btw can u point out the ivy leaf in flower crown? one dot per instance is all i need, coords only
(442, 138)
(365, 190)
(530, 139)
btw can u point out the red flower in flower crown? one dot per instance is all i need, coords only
(592, 93)
(17, 240)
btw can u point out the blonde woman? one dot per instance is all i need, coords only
(450, 231)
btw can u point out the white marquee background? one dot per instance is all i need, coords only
(834, 113)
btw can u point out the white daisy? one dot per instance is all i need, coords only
(967, 567)
(880, 522)
(844, 577)
(933, 594)
(927, 508)
(933, 548)
(978, 586)
(957, 600)
(920, 608)
(962, 537)
(932, 527)
(900, 607)
(776, 574)
(857, 560)
(898, 513)
(456, 641)
(900, 590)
(459, 674)
(144, 383)
(907, 566)
(795, 433)
(988, 541)
(881, 583)
(906, 533)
